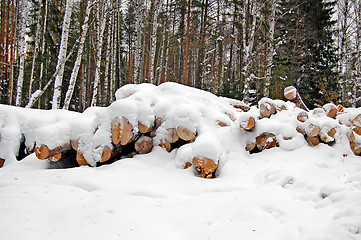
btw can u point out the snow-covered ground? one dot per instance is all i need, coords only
(308, 193)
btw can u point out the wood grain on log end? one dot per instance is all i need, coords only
(357, 121)
(164, 143)
(185, 134)
(172, 135)
(302, 116)
(313, 130)
(340, 109)
(350, 135)
(267, 109)
(122, 131)
(357, 130)
(356, 148)
(290, 93)
(81, 159)
(205, 166)
(55, 158)
(266, 141)
(144, 145)
(248, 124)
(313, 141)
(250, 146)
(144, 128)
(42, 152)
(330, 109)
(106, 153)
(74, 144)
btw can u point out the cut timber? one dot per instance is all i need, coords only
(357, 121)
(81, 159)
(205, 166)
(187, 165)
(292, 94)
(172, 135)
(164, 143)
(248, 124)
(185, 134)
(357, 130)
(314, 141)
(356, 148)
(266, 141)
(55, 158)
(340, 109)
(122, 131)
(332, 132)
(326, 137)
(302, 116)
(350, 136)
(242, 107)
(143, 128)
(144, 145)
(74, 144)
(301, 130)
(330, 109)
(107, 153)
(2, 161)
(43, 152)
(313, 130)
(267, 109)
(250, 146)
(222, 124)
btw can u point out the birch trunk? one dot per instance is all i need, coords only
(153, 43)
(269, 60)
(74, 73)
(20, 80)
(62, 55)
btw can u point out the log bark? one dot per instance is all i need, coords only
(266, 141)
(122, 131)
(248, 124)
(185, 134)
(291, 93)
(350, 135)
(144, 145)
(43, 152)
(205, 166)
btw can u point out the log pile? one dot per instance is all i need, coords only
(193, 123)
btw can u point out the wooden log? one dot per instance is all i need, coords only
(248, 124)
(267, 109)
(326, 137)
(340, 109)
(55, 158)
(185, 134)
(319, 112)
(291, 93)
(43, 152)
(266, 141)
(74, 144)
(357, 120)
(350, 135)
(172, 135)
(330, 109)
(143, 128)
(205, 166)
(250, 146)
(2, 162)
(356, 148)
(222, 124)
(122, 131)
(313, 141)
(187, 165)
(244, 108)
(301, 130)
(302, 116)
(313, 130)
(144, 145)
(164, 143)
(81, 159)
(357, 130)
(107, 153)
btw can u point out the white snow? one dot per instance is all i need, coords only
(292, 192)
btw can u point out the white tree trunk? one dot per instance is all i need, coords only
(271, 48)
(74, 73)
(62, 55)
(102, 18)
(20, 80)
(153, 44)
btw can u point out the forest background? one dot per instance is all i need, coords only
(73, 54)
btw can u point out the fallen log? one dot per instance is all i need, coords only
(302, 116)
(43, 152)
(266, 141)
(330, 109)
(248, 124)
(122, 131)
(205, 166)
(291, 93)
(172, 135)
(164, 143)
(185, 134)
(144, 145)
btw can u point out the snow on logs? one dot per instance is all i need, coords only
(198, 126)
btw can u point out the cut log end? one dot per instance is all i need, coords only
(267, 109)
(290, 93)
(74, 144)
(144, 145)
(185, 134)
(248, 124)
(250, 146)
(106, 153)
(313, 141)
(143, 128)
(302, 116)
(357, 130)
(266, 141)
(244, 108)
(357, 121)
(313, 130)
(330, 109)
(81, 159)
(164, 143)
(222, 124)
(356, 148)
(187, 165)
(122, 131)
(55, 158)
(42, 152)
(172, 135)
(205, 166)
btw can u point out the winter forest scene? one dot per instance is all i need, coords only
(180, 119)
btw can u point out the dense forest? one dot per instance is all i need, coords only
(73, 54)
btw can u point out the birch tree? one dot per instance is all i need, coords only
(62, 55)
